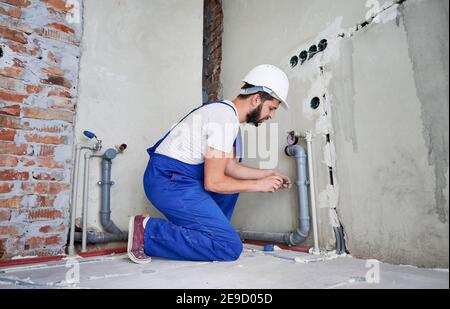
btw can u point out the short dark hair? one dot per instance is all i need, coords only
(264, 95)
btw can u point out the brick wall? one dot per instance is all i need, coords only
(212, 49)
(39, 62)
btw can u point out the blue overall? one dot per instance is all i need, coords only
(199, 227)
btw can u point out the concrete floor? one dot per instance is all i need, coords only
(255, 269)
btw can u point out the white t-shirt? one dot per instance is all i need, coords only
(215, 125)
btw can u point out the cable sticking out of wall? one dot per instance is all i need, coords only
(373, 18)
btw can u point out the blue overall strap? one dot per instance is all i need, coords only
(238, 145)
(153, 149)
(238, 142)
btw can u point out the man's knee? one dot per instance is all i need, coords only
(235, 248)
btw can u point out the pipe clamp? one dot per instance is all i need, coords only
(111, 183)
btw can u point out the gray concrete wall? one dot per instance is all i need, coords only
(385, 109)
(141, 70)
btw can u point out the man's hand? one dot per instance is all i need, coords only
(287, 183)
(270, 184)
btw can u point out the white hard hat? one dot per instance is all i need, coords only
(270, 79)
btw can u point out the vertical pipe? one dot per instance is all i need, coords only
(302, 231)
(87, 157)
(312, 193)
(106, 184)
(106, 191)
(74, 199)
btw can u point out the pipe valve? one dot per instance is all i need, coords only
(292, 138)
(91, 135)
(121, 148)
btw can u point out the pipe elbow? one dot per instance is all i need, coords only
(110, 227)
(295, 151)
(298, 237)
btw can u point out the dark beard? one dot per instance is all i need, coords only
(255, 116)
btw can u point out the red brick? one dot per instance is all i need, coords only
(47, 214)
(63, 104)
(45, 139)
(9, 122)
(13, 72)
(52, 229)
(51, 56)
(45, 201)
(6, 187)
(19, 3)
(11, 202)
(57, 4)
(27, 162)
(55, 188)
(9, 231)
(27, 187)
(7, 135)
(18, 63)
(11, 110)
(33, 89)
(9, 247)
(13, 35)
(49, 162)
(14, 175)
(9, 161)
(44, 127)
(5, 215)
(50, 188)
(47, 151)
(58, 35)
(33, 243)
(35, 52)
(12, 97)
(13, 12)
(61, 27)
(12, 148)
(53, 71)
(10, 84)
(57, 93)
(48, 114)
(41, 188)
(57, 80)
(45, 229)
(18, 48)
(52, 240)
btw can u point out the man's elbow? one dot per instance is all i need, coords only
(212, 185)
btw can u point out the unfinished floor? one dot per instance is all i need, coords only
(256, 269)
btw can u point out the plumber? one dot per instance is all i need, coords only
(194, 176)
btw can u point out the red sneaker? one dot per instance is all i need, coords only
(135, 249)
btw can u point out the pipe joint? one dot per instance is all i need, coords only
(106, 183)
(296, 151)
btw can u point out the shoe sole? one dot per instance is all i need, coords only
(130, 244)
